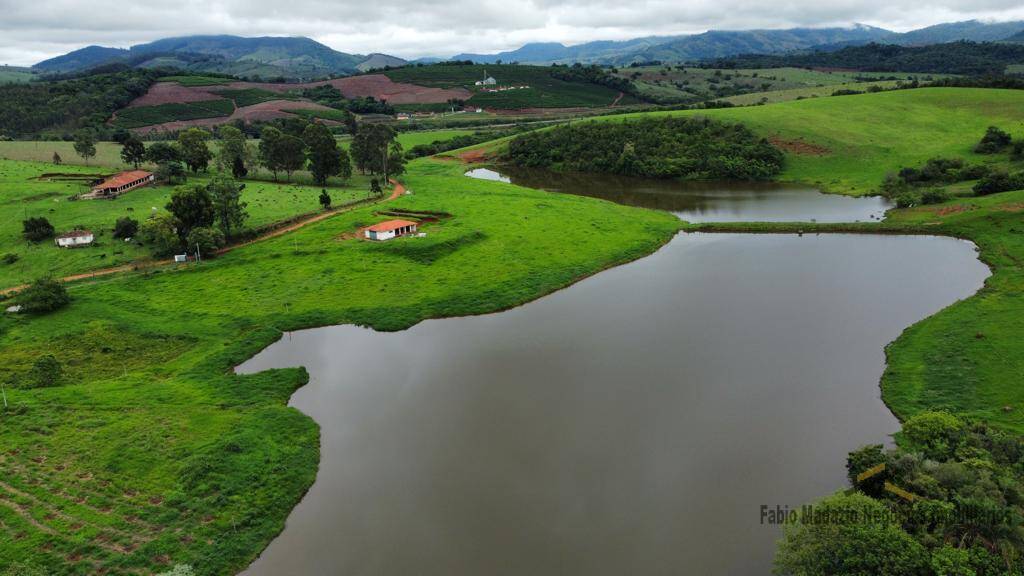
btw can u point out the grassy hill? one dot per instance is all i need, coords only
(685, 84)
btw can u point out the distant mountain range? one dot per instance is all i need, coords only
(724, 43)
(267, 57)
(303, 58)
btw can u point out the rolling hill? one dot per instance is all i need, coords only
(723, 43)
(266, 57)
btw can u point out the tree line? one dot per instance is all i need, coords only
(692, 147)
(55, 109)
(970, 58)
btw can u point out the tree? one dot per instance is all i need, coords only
(36, 229)
(125, 227)
(325, 200)
(205, 240)
(234, 153)
(395, 165)
(42, 296)
(325, 159)
(57, 159)
(160, 233)
(85, 144)
(993, 141)
(194, 151)
(269, 138)
(228, 207)
(375, 189)
(171, 173)
(289, 154)
(238, 169)
(133, 151)
(854, 535)
(370, 147)
(162, 152)
(193, 208)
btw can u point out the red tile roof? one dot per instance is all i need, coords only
(390, 225)
(118, 180)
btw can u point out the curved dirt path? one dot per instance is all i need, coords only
(397, 192)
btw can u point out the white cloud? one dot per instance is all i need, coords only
(32, 31)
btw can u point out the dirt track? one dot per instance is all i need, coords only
(397, 192)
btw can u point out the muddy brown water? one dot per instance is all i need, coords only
(633, 423)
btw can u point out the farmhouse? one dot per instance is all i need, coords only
(390, 229)
(487, 81)
(74, 238)
(120, 183)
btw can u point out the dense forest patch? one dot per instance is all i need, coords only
(693, 147)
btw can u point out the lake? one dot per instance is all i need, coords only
(633, 423)
(697, 201)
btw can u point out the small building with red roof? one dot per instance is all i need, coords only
(391, 229)
(120, 183)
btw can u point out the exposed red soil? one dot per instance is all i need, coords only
(377, 85)
(799, 147)
(172, 93)
(473, 156)
(1016, 207)
(262, 111)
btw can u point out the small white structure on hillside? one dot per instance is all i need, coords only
(487, 81)
(391, 229)
(74, 238)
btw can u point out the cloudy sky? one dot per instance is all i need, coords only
(32, 30)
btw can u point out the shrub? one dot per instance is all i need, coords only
(934, 433)
(993, 141)
(906, 199)
(205, 239)
(126, 227)
(1018, 150)
(9, 258)
(46, 371)
(37, 229)
(998, 181)
(934, 196)
(42, 296)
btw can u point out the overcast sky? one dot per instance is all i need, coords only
(33, 30)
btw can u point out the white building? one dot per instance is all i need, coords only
(487, 81)
(74, 238)
(391, 229)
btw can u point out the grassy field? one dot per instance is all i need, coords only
(148, 115)
(15, 74)
(195, 80)
(673, 84)
(154, 454)
(774, 96)
(545, 91)
(24, 193)
(848, 144)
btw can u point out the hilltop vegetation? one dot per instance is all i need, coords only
(695, 148)
(549, 87)
(951, 58)
(58, 108)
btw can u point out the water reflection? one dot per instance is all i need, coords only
(702, 201)
(633, 423)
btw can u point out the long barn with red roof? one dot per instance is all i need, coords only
(120, 183)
